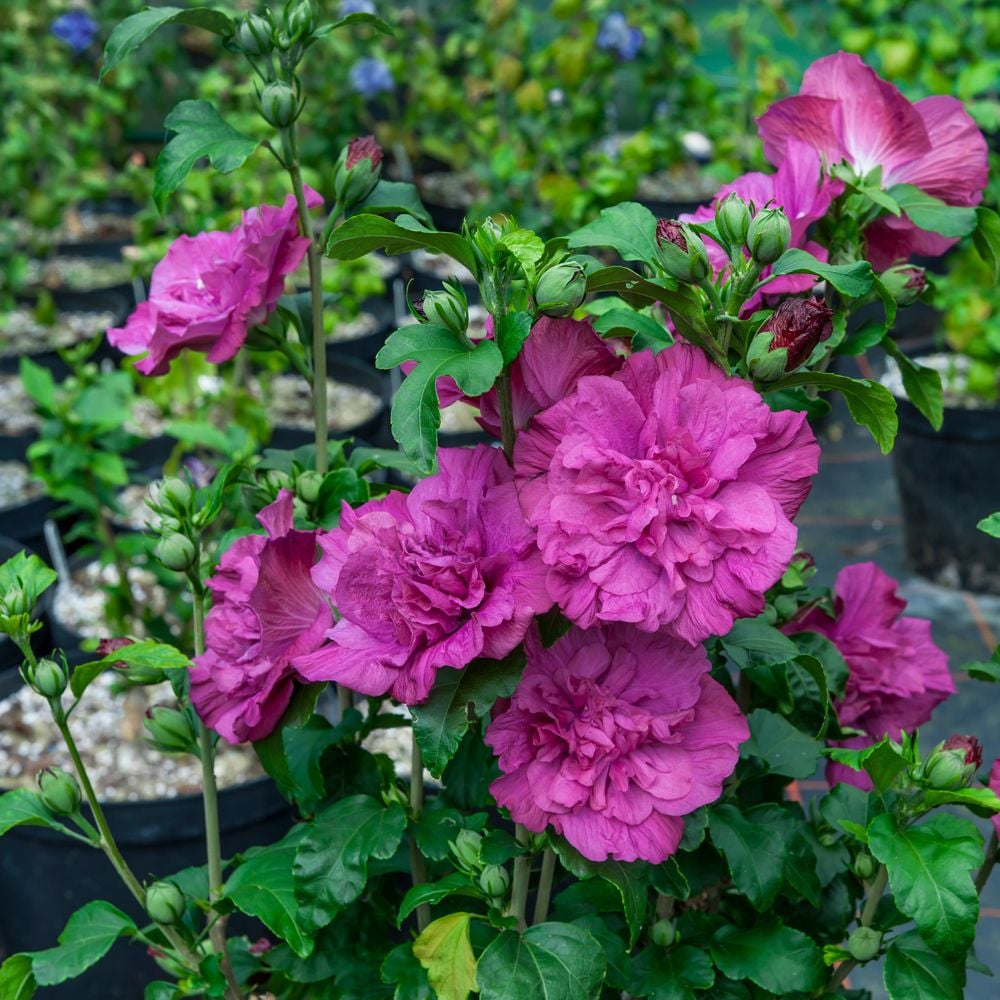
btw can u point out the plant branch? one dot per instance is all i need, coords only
(522, 875)
(876, 888)
(989, 860)
(544, 887)
(418, 868)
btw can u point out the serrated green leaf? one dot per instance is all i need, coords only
(629, 228)
(455, 884)
(361, 234)
(402, 970)
(930, 868)
(633, 287)
(922, 384)
(512, 331)
(645, 331)
(148, 653)
(393, 197)
(361, 18)
(987, 239)
(781, 747)
(915, 972)
(199, 131)
(443, 719)
(983, 801)
(932, 214)
(85, 940)
(853, 280)
(129, 34)
(776, 958)
(990, 525)
(445, 951)
(23, 807)
(17, 982)
(658, 974)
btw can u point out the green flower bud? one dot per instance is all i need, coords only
(16, 602)
(176, 493)
(682, 252)
(299, 20)
(952, 764)
(49, 679)
(864, 943)
(59, 791)
(255, 35)
(279, 104)
(663, 933)
(494, 881)
(905, 283)
(278, 480)
(447, 307)
(170, 729)
(165, 903)
(865, 866)
(768, 235)
(176, 552)
(357, 171)
(732, 218)
(466, 848)
(561, 289)
(307, 485)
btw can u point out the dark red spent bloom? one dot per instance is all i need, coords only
(799, 325)
(972, 747)
(105, 647)
(364, 147)
(670, 231)
(261, 946)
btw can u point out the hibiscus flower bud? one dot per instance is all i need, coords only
(176, 552)
(172, 492)
(682, 253)
(864, 866)
(255, 35)
(663, 933)
(864, 943)
(279, 104)
(768, 235)
(165, 903)
(494, 881)
(307, 485)
(447, 307)
(561, 289)
(905, 282)
(59, 791)
(795, 328)
(49, 679)
(357, 171)
(952, 764)
(466, 848)
(732, 218)
(170, 729)
(299, 21)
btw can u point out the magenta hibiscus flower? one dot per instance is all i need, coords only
(210, 289)
(898, 675)
(267, 613)
(432, 579)
(994, 784)
(611, 738)
(662, 495)
(848, 113)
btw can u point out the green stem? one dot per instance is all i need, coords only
(418, 868)
(875, 890)
(989, 860)
(210, 798)
(519, 884)
(291, 156)
(544, 887)
(506, 405)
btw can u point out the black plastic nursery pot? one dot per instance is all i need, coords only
(25, 523)
(365, 348)
(948, 481)
(45, 877)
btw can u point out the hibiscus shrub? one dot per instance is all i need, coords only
(610, 662)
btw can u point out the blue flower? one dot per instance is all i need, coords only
(356, 7)
(76, 28)
(371, 77)
(616, 35)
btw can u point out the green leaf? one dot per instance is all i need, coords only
(870, 404)
(262, 887)
(930, 868)
(915, 972)
(445, 951)
(392, 198)
(922, 384)
(29, 574)
(645, 331)
(200, 131)
(829, 657)
(853, 280)
(443, 719)
(38, 384)
(85, 940)
(882, 762)
(416, 412)
(776, 958)
(982, 801)
(331, 864)
(990, 525)
(781, 747)
(671, 975)
(846, 807)
(527, 248)
(17, 982)
(629, 228)
(632, 287)
(362, 18)
(457, 883)
(148, 654)
(550, 961)
(752, 641)
(512, 331)
(22, 807)
(402, 969)
(361, 234)
(866, 336)
(129, 34)
(987, 239)
(932, 214)
(271, 751)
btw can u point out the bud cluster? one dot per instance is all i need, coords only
(172, 500)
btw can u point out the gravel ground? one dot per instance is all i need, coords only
(16, 413)
(16, 485)
(23, 334)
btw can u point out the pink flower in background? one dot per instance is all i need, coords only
(897, 674)
(267, 613)
(800, 187)
(210, 289)
(847, 113)
(611, 738)
(995, 787)
(432, 579)
(663, 495)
